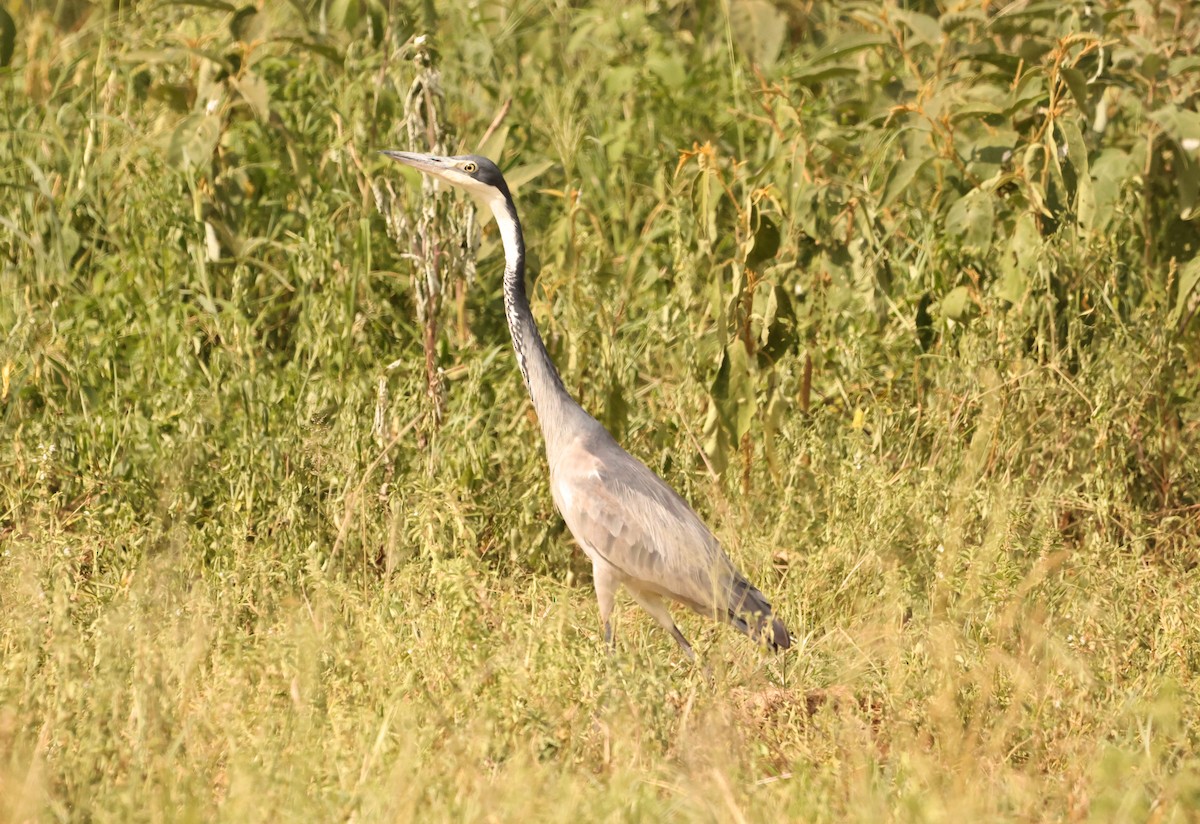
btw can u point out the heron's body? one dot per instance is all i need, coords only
(636, 530)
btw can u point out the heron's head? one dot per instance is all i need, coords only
(471, 173)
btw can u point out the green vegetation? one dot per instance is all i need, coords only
(902, 297)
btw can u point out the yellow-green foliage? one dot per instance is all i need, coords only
(902, 297)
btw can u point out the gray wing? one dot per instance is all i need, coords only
(618, 509)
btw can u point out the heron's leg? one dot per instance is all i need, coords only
(606, 593)
(659, 612)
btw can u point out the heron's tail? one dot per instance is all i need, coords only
(750, 612)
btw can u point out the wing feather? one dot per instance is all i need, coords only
(617, 508)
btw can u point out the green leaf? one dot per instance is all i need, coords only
(1189, 279)
(952, 20)
(616, 407)
(1152, 63)
(733, 390)
(69, 242)
(899, 179)
(765, 308)
(825, 63)
(758, 30)
(848, 45)
(521, 175)
(1054, 165)
(193, 141)
(990, 153)
(1032, 175)
(957, 304)
(175, 96)
(1076, 148)
(716, 439)
(254, 91)
(217, 5)
(620, 80)
(926, 29)
(1184, 64)
(817, 74)
(708, 190)
(1181, 124)
(493, 147)
(773, 321)
(1109, 173)
(1077, 156)
(717, 303)
(970, 221)
(669, 69)
(8, 37)
(1183, 127)
(1189, 186)
(1014, 15)
(345, 14)
(765, 242)
(1077, 83)
(1019, 262)
(328, 52)
(248, 25)
(772, 421)
(976, 110)
(1029, 92)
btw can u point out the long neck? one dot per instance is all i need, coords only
(550, 398)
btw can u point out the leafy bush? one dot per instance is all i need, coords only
(902, 297)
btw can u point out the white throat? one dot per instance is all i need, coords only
(506, 225)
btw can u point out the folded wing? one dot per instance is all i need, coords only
(622, 512)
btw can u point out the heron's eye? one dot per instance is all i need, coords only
(469, 167)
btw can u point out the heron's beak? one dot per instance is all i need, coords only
(430, 164)
(443, 169)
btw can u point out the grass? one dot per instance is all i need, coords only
(248, 574)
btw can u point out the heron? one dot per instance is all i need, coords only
(636, 530)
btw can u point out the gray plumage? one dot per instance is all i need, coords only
(636, 530)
